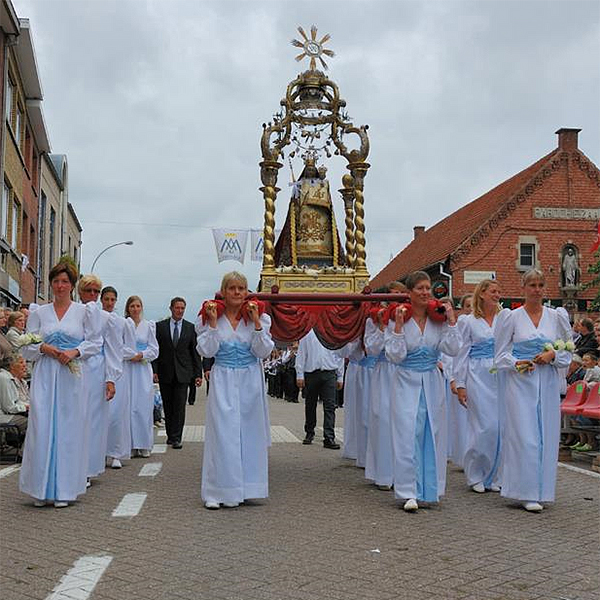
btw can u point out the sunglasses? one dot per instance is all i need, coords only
(91, 291)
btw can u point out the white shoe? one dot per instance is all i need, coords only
(60, 504)
(39, 503)
(231, 504)
(411, 505)
(144, 453)
(495, 487)
(384, 488)
(88, 483)
(211, 505)
(479, 488)
(115, 464)
(533, 506)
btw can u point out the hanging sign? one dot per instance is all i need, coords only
(230, 244)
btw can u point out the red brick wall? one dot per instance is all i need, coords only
(569, 187)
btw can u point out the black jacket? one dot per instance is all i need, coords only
(181, 363)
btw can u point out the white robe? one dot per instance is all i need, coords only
(141, 387)
(118, 443)
(482, 456)
(356, 401)
(379, 463)
(105, 366)
(235, 460)
(531, 406)
(54, 461)
(419, 396)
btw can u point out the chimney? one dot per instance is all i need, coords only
(567, 138)
(417, 231)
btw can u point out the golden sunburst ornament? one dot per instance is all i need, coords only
(313, 48)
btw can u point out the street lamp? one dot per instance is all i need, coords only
(128, 243)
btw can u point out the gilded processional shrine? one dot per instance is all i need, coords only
(313, 125)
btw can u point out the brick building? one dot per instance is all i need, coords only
(25, 218)
(545, 216)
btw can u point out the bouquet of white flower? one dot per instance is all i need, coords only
(560, 345)
(26, 339)
(74, 366)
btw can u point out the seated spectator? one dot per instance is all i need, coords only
(14, 396)
(592, 371)
(587, 342)
(16, 327)
(576, 370)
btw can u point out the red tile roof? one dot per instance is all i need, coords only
(437, 243)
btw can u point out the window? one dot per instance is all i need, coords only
(19, 125)
(31, 246)
(52, 236)
(527, 256)
(14, 229)
(42, 244)
(4, 211)
(24, 231)
(10, 94)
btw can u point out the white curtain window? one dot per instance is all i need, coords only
(14, 225)
(10, 94)
(19, 126)
(4, 211)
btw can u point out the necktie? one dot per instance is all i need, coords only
(176, 334)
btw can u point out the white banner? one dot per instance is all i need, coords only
(230, 244)
(257, 241)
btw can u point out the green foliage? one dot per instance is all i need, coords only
(65, 258)
(594, 270)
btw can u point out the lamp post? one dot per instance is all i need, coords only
(128, 243)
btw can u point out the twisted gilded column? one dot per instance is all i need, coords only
(268, 174)
(347, 193)
(358, 171)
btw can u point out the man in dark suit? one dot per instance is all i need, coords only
(177, 364)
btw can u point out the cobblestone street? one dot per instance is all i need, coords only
(324, 533)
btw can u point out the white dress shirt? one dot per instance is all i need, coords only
(313, 356)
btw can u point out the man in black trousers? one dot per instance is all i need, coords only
(177, 364)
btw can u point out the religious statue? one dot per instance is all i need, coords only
(570, 267)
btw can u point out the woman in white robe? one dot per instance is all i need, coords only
(379, 462)
(357, 385)
(235, 460)
(531, 394)
(100, 372)
(419, 403)
(140, 378)
(478, 392)
(118, 442)
(54, 461)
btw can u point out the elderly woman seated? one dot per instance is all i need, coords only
(14, 397)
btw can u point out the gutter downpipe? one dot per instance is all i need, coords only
(449, 276)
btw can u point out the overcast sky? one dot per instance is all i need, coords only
(158, 106)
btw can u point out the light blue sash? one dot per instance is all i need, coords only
(484, 349)
(421, 360)
(62, 340)
(141, 346)
(235, 355)
(368, 362)
(528, 349)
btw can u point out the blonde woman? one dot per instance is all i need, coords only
(140, 379)
(100, 374)
(235, 460)
(477, 387)
(531, 393)
(16, 327)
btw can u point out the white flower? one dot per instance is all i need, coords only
(559, 345)
(569, 346)
(75, 367)
(26, 339)
(548, 346)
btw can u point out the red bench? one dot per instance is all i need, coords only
(591, 407)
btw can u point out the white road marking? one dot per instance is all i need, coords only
(150, 469)
(130, 505)
(279, 433)
(579, 470)
(159, 449)
(8, 470)
(339, 433)
(81, 578)
(193, 433)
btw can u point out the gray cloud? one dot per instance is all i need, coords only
(159, 106)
